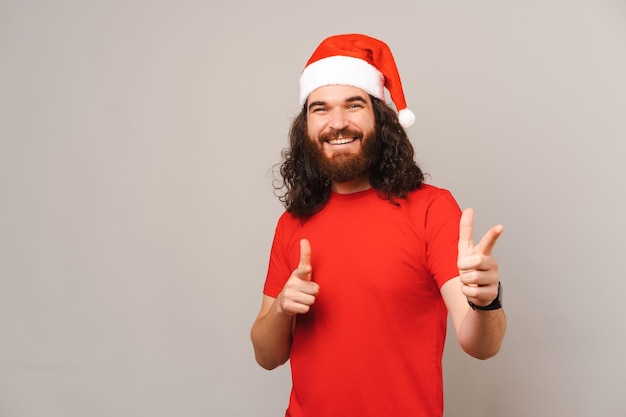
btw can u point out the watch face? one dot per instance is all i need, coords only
(500, 294)
(497, 303)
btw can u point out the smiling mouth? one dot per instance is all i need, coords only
(341, 141)
(340, 137)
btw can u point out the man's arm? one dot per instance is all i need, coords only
(480, 333)
(271, 334)
(272, 330)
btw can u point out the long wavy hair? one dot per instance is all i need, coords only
(394, 174)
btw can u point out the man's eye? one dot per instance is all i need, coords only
(355, 106)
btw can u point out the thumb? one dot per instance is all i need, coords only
(304, 268)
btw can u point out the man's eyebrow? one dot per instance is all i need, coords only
(347, 100)
(356, 98)
(316, 103)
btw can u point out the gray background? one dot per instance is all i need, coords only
(137, 209)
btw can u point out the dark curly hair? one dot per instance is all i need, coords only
(393, 175)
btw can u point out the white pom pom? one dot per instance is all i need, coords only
(406, 117)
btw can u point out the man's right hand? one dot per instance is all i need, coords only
(299, 292)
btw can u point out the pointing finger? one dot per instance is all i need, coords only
(466, 229)
(304, 268)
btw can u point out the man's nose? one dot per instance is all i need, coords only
(338, 119)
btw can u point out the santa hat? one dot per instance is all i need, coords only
(358, 61)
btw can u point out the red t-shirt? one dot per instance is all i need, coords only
(372, 343)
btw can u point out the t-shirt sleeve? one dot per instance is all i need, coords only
(442, 237)
(278, 270)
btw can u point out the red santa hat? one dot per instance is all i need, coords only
(358, 61)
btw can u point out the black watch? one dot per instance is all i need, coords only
(495, 304)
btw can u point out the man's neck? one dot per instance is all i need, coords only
(350, 187)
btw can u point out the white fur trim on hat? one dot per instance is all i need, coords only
(341, 70)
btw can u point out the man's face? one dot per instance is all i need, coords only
(340, 127)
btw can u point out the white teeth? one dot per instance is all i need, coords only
(340, 141)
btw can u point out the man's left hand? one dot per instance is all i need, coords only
(478, 270)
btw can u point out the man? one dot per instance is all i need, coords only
(367, 260)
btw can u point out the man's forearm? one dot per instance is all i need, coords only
(271, 337)
(482, 332)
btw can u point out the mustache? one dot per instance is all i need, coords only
(335, 134)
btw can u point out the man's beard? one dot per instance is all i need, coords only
(344, 167)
